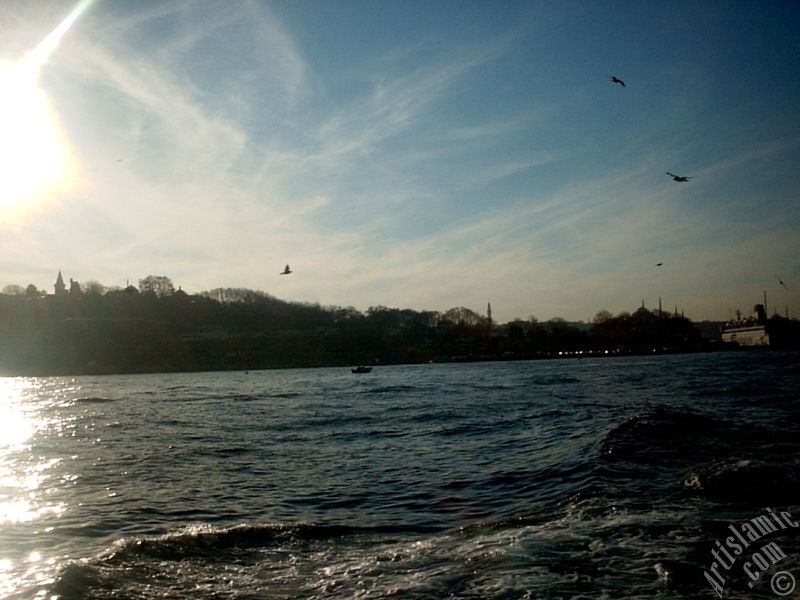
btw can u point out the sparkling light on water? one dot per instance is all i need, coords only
(22, 481)
(15, 426)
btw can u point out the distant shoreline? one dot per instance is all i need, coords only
(128, 332)
(94, 371)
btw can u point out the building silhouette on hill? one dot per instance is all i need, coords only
(60, 288)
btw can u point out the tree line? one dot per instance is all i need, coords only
(92, 328)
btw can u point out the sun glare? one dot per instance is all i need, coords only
(15, 425)
(33, 156)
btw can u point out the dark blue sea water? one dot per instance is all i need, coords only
(577, 478)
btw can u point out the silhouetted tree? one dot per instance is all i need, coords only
(601, 317)
(94, 288)
(14, 290)
(234, 295)
(463, 317)
(32, 291)
(349, 313)
(157, 284)
(516, 331)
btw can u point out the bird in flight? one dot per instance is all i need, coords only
(659, 264)
(286, 270)
(679, 178)
(781, 282)
(617, 80)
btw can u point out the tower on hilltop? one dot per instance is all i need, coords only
(61, 289)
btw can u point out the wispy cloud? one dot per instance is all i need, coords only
(214, 150)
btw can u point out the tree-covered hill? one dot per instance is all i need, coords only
(95, 330)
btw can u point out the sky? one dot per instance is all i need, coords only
(409, 154)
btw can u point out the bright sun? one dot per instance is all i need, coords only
(32, 155)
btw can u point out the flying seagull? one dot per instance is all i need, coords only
(781, 282)
(286, 270)
(617, 80)
(679, 178)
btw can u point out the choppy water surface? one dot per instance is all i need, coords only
(571, 478)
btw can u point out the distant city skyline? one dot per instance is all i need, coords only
(412, 155)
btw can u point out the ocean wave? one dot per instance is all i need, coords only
(390, 389)
(245, 560)
(749, 481)
(555, 380)
(513, 559)
(478, 429)
(664, 433)
(279, 395)
(205, 541)
(94, 400)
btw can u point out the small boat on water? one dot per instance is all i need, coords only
(361, 369)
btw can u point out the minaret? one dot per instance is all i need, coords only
(61, 289)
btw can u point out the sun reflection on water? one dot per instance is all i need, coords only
(20, 477)
(16, 427)
(24, 477)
